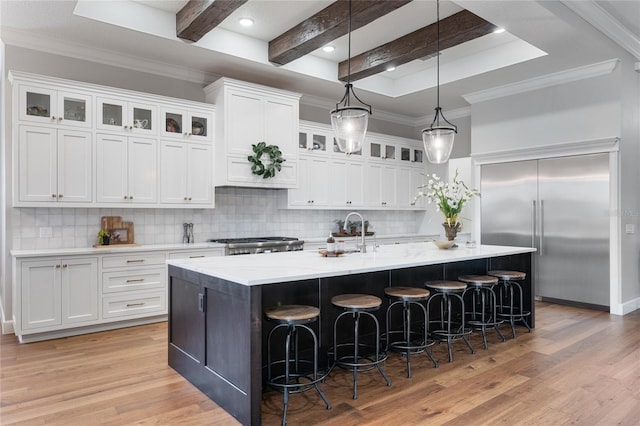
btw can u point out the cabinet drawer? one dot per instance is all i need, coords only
(130, 280)
(133, 260)
(141, 304)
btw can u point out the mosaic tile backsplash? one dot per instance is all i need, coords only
(239, 212)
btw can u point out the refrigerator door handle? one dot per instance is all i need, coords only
(541, 235)
(533, 224)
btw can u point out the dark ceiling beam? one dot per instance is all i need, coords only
(198, 17)
(327, 25)
(454, 30)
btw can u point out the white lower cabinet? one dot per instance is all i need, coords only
(66, 295)
(186, 173)
(57, 292)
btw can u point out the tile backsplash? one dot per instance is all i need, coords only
(239, 212)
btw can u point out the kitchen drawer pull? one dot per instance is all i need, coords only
(129, 305)
(139, 280)
(195, 257)
(135, 260)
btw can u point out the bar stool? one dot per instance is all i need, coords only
(506, 289)
(411, 341)
(481, 288)
(294, 380)
(357, 305)
(446, 292)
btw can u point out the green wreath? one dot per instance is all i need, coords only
(275, 157)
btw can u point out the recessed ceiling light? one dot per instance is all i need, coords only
(246, 22)
(499, 31)
(329, 48)
(391, 68)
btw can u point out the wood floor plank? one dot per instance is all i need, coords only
(577, 367)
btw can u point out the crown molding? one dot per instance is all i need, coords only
(562, 77)
(594, 14)
(564, 149)
(29, 40)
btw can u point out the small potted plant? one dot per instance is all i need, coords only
(353, 226)
(340, 224)
(366, 227)
(103, 237)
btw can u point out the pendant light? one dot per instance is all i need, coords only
(438, 138)
(349, 122)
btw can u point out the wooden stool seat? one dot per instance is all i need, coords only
(478, 280)
(356, 301)
(508, 275)
(445, 286)
(411, 293)
(292, 313)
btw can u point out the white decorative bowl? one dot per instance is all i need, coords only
(444, 244)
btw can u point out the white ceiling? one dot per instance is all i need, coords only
(542, 37)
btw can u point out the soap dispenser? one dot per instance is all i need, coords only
(331, 244)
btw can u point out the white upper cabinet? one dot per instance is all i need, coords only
(116, 114)
(54, 165)
(247, 114)
(77, 144)
(126, 169)
(54, 107)
(186, 173)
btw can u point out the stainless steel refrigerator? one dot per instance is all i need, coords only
(561, 207)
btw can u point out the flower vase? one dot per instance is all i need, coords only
(451, 230)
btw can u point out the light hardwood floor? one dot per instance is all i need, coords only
(577, 367)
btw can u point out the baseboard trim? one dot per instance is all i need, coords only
(575, 304)
(56, 334)
(630, 306)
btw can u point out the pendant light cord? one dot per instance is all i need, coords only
(438, 57)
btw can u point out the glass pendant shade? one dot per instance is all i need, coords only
(350, 127)
(438, 143)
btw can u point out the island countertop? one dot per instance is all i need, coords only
(258, 269)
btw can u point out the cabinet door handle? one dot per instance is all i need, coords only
(201, 302)
(135, 260)
(138, 280)
(195, 257)
(129, 305)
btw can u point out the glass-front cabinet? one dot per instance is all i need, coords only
(379, 150)
(312, 142)
(119, 115)
(193, 125)
(337, 150)
(411, 155)
(48, 106)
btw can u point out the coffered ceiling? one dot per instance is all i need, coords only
(541, 37)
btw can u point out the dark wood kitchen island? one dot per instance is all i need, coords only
(216, 332)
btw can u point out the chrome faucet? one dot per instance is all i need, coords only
(363, 246)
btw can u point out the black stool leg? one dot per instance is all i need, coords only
(495, 315)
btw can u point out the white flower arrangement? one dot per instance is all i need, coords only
(448, 198)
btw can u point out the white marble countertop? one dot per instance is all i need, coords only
(257, 269)
(113, 248)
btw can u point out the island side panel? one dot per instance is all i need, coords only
(230, 372)
(524, 263)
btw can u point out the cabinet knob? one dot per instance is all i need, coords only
(58, 266)
(189, 134)
(185, 198)
(59, 118)
(131, 197)
(189, 198)
(185, 133)
(53, 195)
(53, 118)
(126, 198)
(64, 265)
(60, 195)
